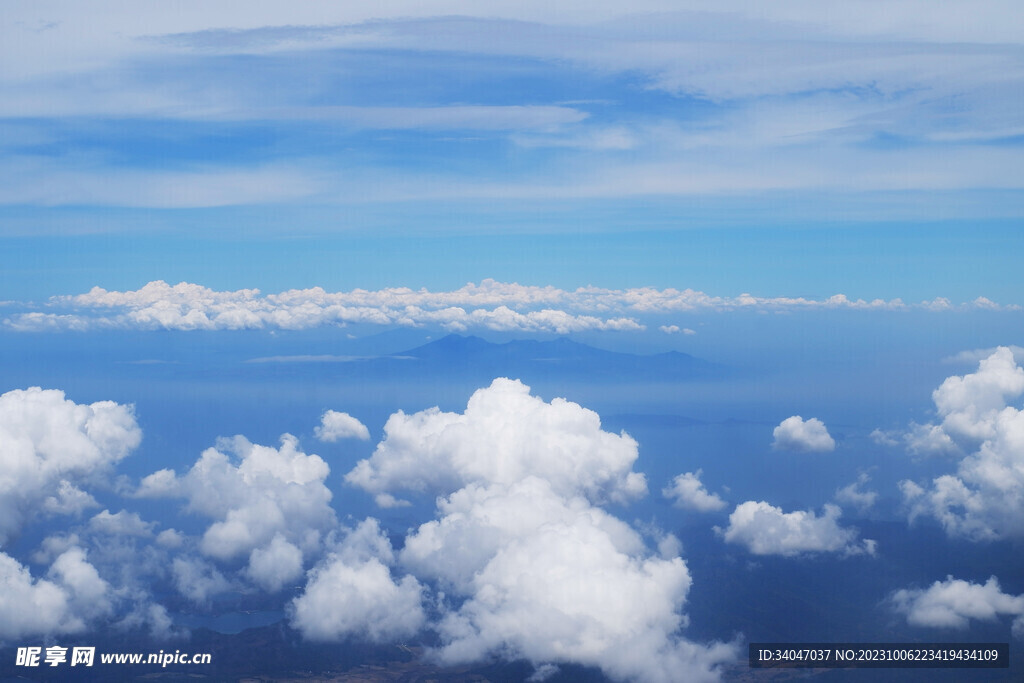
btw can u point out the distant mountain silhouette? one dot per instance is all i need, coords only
(477, 360)
(457, 354)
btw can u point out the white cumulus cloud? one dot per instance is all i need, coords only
(766, 530)
(198, 580)
(808, 436)
(335, 425)
(953, 603)
(554, 579)
(687, 491)
(265, 503)
(272, 566)
(984, 498)
(66, 601)
(477, 521)
(504, 435)
(971, 404)
(853, 494)
(68, 500)
(353, 593)
(122, 523)
(50, 446)
(526, 563)
(361, 599)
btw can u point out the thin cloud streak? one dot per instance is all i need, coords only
(791, 99)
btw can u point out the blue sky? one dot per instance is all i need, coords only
(859, 151)
(224, 237)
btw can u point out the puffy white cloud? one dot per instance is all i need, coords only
(268, 504)
(954, 602)
(68, 500)
(187, 306)
(970, 405)
(929, 439)
(808, 436)
(553, 579)
(360, 599)
(352, 593)
(675, 329)
(984, 499)
(504, 435)
(50, 445)
(766, 530)
(72, 594)
(885, 438)
(154, 619)
(29, 606)
(124, 564)
(123, 523)
(489, 305)
(53, 546)
(526, 564)
(687, 491)
(386, 501)
(170, 538)
(253, 492)
(854, 495)
(198, 580)
(477, 522)
(275, 564)
(335, 426)
(89, 595)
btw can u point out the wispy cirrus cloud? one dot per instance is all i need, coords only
(734, 100)
(78, 181)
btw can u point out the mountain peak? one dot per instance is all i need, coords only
(563, 356)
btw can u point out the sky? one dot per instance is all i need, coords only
(225, 233)
(819, 147)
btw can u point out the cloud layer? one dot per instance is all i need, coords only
(489, 305)
(790, 98)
